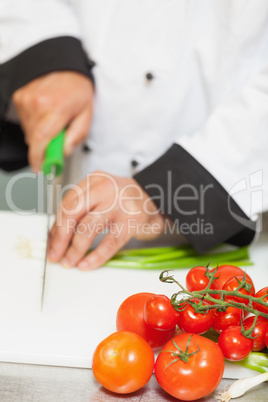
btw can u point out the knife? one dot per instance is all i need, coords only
(53, 166)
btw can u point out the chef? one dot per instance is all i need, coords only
(166, 108)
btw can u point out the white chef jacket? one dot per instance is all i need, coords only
(186, 72)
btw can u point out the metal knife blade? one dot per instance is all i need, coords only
(53, 165)
(50, 188)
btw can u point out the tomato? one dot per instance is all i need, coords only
(198, 323)
(130, 317)
(159, 313)
(224, 319)
(258, 306)
(226, 272)
(259, 332)
(233, 344)
(197, 280)
(123, 362)
(233, 283)
(266, 339)
(197, 377)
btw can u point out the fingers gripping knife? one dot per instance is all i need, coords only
(53, 166)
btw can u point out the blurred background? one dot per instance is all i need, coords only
(24, 190)
(25, 193)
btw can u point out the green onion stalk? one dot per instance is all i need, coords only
(176, 258)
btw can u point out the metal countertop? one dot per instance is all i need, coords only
(29, 383)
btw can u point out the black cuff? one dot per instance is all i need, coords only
(57, 54)
(13, 149)
(195, 201)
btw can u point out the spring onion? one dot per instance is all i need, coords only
(257, 361)
(30, 249)
(239, 387)
(176, 257)
(150, 250)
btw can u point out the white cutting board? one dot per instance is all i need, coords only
(79, 307)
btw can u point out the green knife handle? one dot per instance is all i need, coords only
(54, 155)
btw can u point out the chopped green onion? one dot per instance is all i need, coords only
(150, 250)
(257, 361)
(176, 257)
(171, 255)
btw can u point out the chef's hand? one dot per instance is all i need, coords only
(101, 202)
(50, 103)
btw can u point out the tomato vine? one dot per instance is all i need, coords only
(183, 296)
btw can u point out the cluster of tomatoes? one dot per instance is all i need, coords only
(236, 340)
(124, 361)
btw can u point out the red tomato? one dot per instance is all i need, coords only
(123, 362)
(130, 317)
(258, 306)
(197, 377)
(226, 272)
(233, 344)
(232, 284)
(259, 332)
(197, 280)
(198, 323)
(159, 313)
(266, 339)
(224, 319)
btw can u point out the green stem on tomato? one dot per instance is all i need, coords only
(208, 295)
